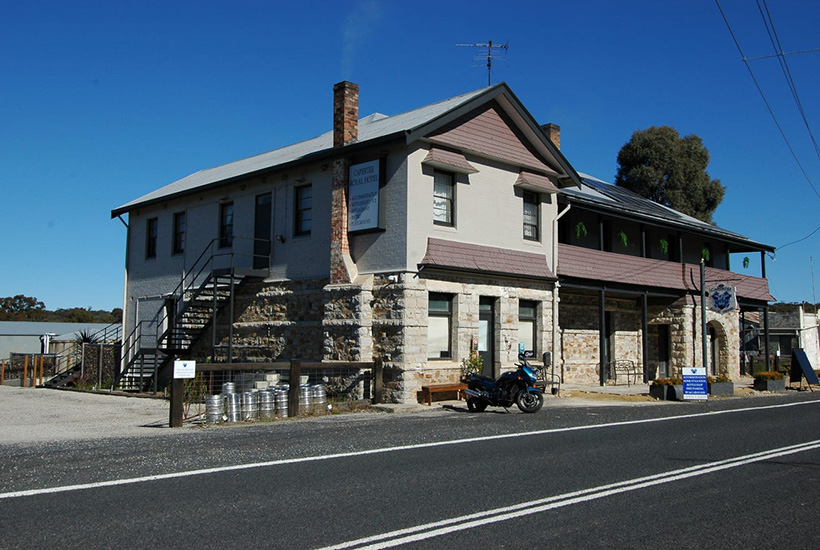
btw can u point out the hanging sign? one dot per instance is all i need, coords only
(363, 207)
(722, 298)
(695, 383)
(184, 369)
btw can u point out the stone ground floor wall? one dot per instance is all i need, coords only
(579, 320)
(380, 317)
(387, 318)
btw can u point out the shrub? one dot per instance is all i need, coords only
(667, 382)
(471, 365)
(718, 379)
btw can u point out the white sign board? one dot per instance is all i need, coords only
(695, 383)
(363, 208)
(184, 369)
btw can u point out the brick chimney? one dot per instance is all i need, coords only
(345, 113)
(553, 132)
(345, 131)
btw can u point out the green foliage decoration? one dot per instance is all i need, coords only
(580, 230)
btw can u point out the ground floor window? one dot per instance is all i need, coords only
(527, 325)
(439, 326)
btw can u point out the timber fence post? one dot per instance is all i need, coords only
(378, 380)
(293, 387)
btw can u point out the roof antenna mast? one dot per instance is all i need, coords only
(490, 47)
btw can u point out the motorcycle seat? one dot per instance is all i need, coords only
(482, 377)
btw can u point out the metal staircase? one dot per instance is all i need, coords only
(187, 313)
(68, 365)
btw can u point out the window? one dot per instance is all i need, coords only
(151, 238)
(303, 198)
(532, 202)
(527, 325)
(179, 233)
(439, 326)
(226, 224)
(443, 199)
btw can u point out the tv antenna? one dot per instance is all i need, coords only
(490, 47)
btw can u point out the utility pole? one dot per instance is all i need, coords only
(490, 47)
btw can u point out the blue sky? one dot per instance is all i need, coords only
(102, 102)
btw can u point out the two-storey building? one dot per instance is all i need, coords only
(417, 238)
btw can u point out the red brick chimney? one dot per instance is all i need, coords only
(345, 113)
(553, 132)
(345, 132)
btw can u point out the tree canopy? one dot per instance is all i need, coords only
(26, 308)
(658, 164)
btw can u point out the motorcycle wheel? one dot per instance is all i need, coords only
(529, 402)
(476, 405)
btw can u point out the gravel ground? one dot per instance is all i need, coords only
(29, 415)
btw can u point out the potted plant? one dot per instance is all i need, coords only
(770, 381)
(471, 365)
(720, 385)
(667, 389)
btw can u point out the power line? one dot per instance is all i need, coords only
(766, 101)
(768, 22)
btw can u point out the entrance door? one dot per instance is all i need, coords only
(663, 351)
(262, 231)
(713, 351)
(486, 334)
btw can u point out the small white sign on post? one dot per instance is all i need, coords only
(184, 369)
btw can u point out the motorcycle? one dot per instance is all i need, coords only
(517, 387)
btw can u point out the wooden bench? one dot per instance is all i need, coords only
(428, 390)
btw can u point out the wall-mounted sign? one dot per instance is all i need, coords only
(722, 298)
(184, 369)
(363, 207)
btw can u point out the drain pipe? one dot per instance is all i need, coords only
(555, 293)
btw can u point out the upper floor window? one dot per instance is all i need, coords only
(225, 224)
(444, 199)
(532, 202)
(151, 232)
(303, 208)
(180, 225)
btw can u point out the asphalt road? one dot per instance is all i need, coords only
(734, 473)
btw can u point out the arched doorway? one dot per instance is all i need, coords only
(716, 349)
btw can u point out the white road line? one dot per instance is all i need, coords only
(272, 463)
(480, 519)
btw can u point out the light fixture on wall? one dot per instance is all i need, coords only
(280, 238)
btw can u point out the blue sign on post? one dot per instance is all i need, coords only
(695, 384)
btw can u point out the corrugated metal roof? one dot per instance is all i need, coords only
(371, 127)
(599, 266)
(38, 328)
(596, 192)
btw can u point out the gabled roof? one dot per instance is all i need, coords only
(414, 125)
(600, 195)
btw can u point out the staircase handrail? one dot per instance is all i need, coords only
(109, 333)
(193, 281)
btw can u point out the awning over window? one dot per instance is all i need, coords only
(448, 160)
(485, 259)
(530, 181)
